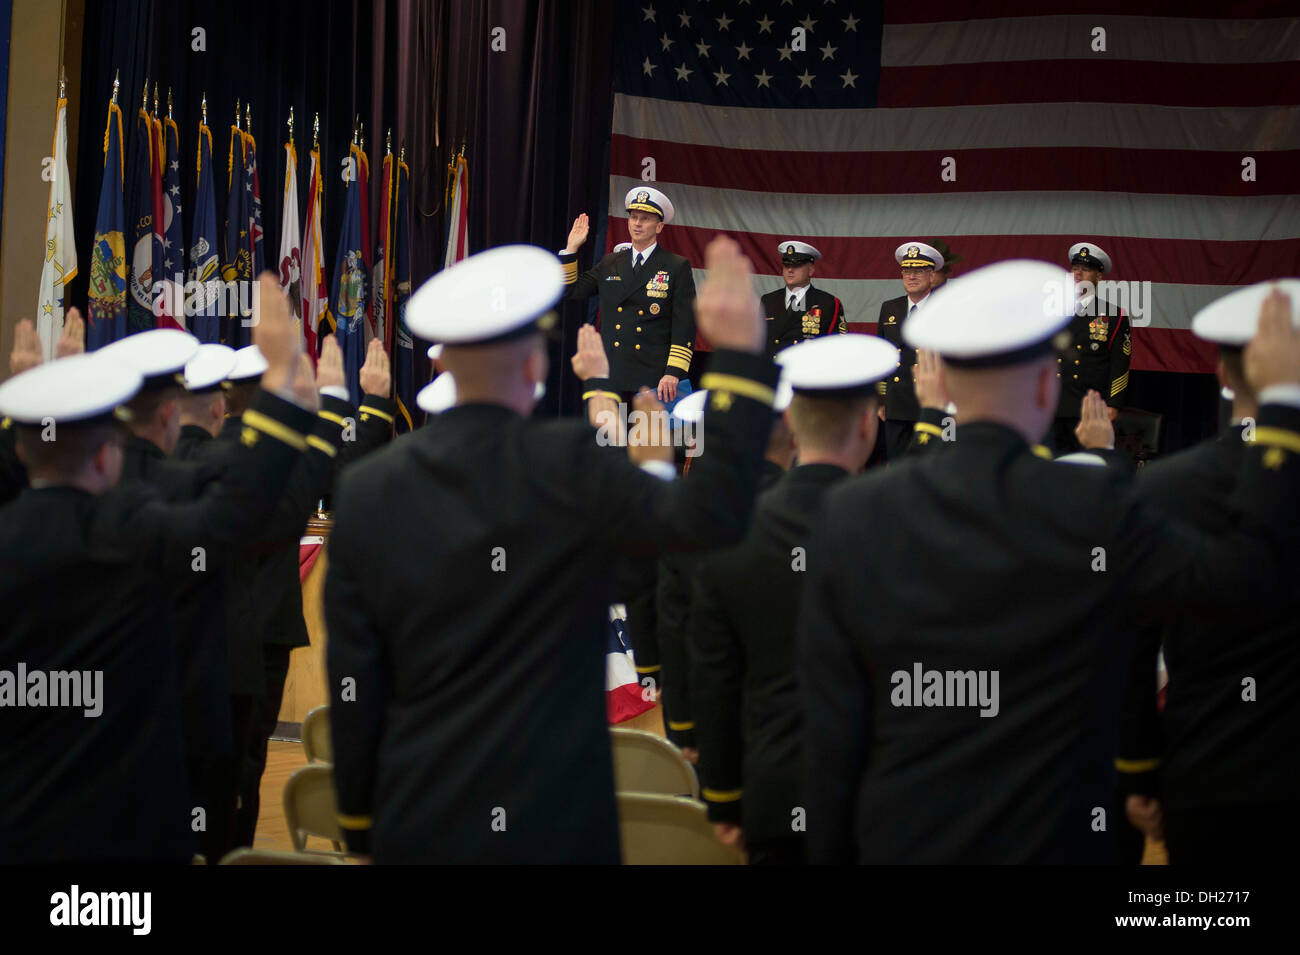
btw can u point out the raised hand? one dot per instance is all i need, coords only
(577, 235)
(73, 339)
(376, 378)
(931, 387)
(1273, 355)
(304, 384)
(274, 334)
(1094, 429)
(329, 369)
(27, 348)
(726, 309)
(590, 360)
(652, 441)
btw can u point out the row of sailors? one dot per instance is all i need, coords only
(465, 659)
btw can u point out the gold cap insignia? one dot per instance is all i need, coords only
(643, 196)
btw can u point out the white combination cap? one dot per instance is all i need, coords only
(210, 366)
(1233, 319)
(249, 363)
(649, 199)
(998, 315)
(490, 296)
(837, 365)
(78, 388)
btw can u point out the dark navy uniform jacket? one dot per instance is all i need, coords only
(647, 315)
(822, 314)
(744, 676)
(1211, 745)
(1001, 562)
(466, 653)
(199, 611)
(88, 583)
(1096, 358)
(898, 391)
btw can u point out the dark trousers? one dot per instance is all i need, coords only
(1237, 834)
(266, 713)
(214, 782)
(243, 826)
(898, 435)
(787, 851)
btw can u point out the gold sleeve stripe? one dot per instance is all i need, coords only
(611, 395)
(880, 387)
(654, 669)
(680, 727)
(683, 363)
(320, 444)
(331, 416)
(723, 795)
(1136, 765)
(570, 272)
(269, 426)
(1278, 438)
(681, 349)
(355, 823)
(1119, 384)
(370, 409)
(741, 386)
(5, 425)
(928, 428)
(1042, 452)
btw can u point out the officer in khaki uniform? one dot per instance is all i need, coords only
(1100, 346)
(647, 299)
(799, 311)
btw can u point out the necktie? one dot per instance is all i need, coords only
(790, 299)
(636, 262)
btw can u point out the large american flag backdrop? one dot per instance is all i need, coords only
(1140, 147)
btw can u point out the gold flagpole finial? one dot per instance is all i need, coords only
(248, 117)
(144, 96)
(290, 125)
(355, 133)
(237, 126)
(155, 99)
(388, 143)
(116, 83)
(401, 153)
(63, 83)
(363, 137)
(169, 102)
(315, 132)
(204, 106)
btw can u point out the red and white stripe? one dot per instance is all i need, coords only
(1139, 148)
(457, 225)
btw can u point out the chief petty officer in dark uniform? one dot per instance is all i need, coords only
(743, 621)
(1097, 357)
(88, 575)
(799, 310)
(468, 718)
(1211, 770)
(1029, 626)
(647, 297)
(918, 262)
